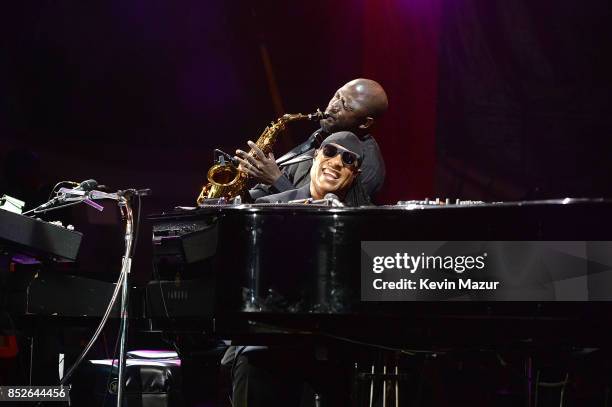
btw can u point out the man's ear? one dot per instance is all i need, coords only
(367, 123)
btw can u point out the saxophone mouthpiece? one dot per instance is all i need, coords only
(318, 115)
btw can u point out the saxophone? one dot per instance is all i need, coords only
(225, 180)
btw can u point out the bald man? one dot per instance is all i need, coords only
(355, 107)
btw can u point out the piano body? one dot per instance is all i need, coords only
(266, 272)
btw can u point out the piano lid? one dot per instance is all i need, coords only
(373, 209)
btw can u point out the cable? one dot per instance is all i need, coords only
(36, 210)
(59, 207)
(122, 280)
(96, 334)
(111, 304)
(58, 184)
(137, 226)
(49, 199)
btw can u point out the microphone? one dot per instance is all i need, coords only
(87, 185)
(329, 200)
(227, 156)
(333, 199)
(82, 189)
(62, 195)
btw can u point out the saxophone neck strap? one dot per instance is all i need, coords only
(313, 142)
(309, 155)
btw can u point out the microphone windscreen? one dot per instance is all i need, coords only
(88, 185)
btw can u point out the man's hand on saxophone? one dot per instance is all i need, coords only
(263, 169)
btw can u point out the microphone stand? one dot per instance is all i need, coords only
(123, 199)
(127, 214)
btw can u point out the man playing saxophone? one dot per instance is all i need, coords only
(355, 107)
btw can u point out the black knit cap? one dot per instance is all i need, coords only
(347, 140)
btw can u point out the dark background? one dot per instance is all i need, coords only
(493, 100)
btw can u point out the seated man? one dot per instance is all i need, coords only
(355, 107)
(285, 375)
(335, 169)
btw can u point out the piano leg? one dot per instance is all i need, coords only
(372, 387)
(529, 376)
(384, 386)
(389, 381)
(31, 368)
(396, 386)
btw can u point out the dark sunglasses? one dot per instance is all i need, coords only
(348, 158)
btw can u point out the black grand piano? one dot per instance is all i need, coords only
(267, 272)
